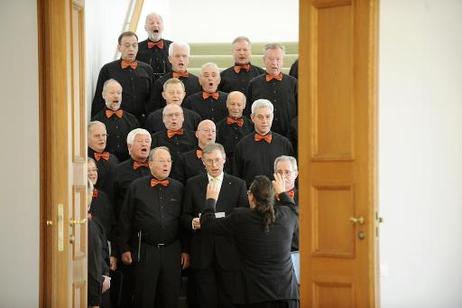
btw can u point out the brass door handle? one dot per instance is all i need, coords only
(49, 222)
(78, 221)
(357, 220)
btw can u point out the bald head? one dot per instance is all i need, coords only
(206, 133)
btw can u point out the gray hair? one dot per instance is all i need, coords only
(173, 81)
(153, 14)
(93, 123)
(241, 39)
(291, 159)
(212, 147)
(153, 151)
(273, 46)
(137, 131)
(181, 45)
(232, 93)
(207, 65)
(164, 110)
(107, 82)
(262, 103)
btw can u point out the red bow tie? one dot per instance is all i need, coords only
(159, 44)
(104, 155)
(199, 153)
(291, 193)
(231, 121)
(119, 113)
(271, 77)
(171, 133)
(137, 165)
(155, 182)
(267, 137)
(184, 74)
(239, 67)
(95, 193)
(124, 64)
(206, 95)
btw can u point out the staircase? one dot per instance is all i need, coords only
(221, 54)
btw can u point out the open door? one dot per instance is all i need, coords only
(63, 149)
(338, 141)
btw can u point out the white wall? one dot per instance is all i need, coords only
(222, 21)
(420, 165)
(19, 155)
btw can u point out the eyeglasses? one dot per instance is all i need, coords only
(216, 161)
(208, 130)
(284, 172)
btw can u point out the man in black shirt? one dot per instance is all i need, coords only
(173, 93)
(190, 163)
(105, 161)
(280, 89)
(286, 166)
(231, 130)
(255, 153)
(154, 50)
(135, 77)
(150, 233)
(178, 55)
(177, 139)
(238, 76)
(118, 121)
(139, 144)
(210, 103)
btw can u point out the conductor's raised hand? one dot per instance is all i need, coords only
(278, 184)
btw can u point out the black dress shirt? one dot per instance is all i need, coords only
(153, 211)
(209, 108)
(155, 57)
(106, 169)
(191, 84)
(177, 145)
(136, 84)
(232, 81)
(154, 121)
(282, 94)
(102, 208)
(117, 131)
(188, 166)
(228, 135)
(123, 176)
(252, 158)
(294, 69)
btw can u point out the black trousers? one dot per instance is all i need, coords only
(215, 287)
(158, 276)
(273, 304)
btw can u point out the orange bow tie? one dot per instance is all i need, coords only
(267, 137)
(239, 67)
(271, 77)
(171, 133)
(155, 182)
(124, 64)
(119, 113)
(231, 121)
(206, 95)
(104, 155)
(199, 153)
(291, 193)
(95, 193)
(184, 74)
(159, 44)
(137, 165)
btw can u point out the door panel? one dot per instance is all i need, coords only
(338, 158)
(63, 154)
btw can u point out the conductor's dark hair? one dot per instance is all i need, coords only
(262, 190)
